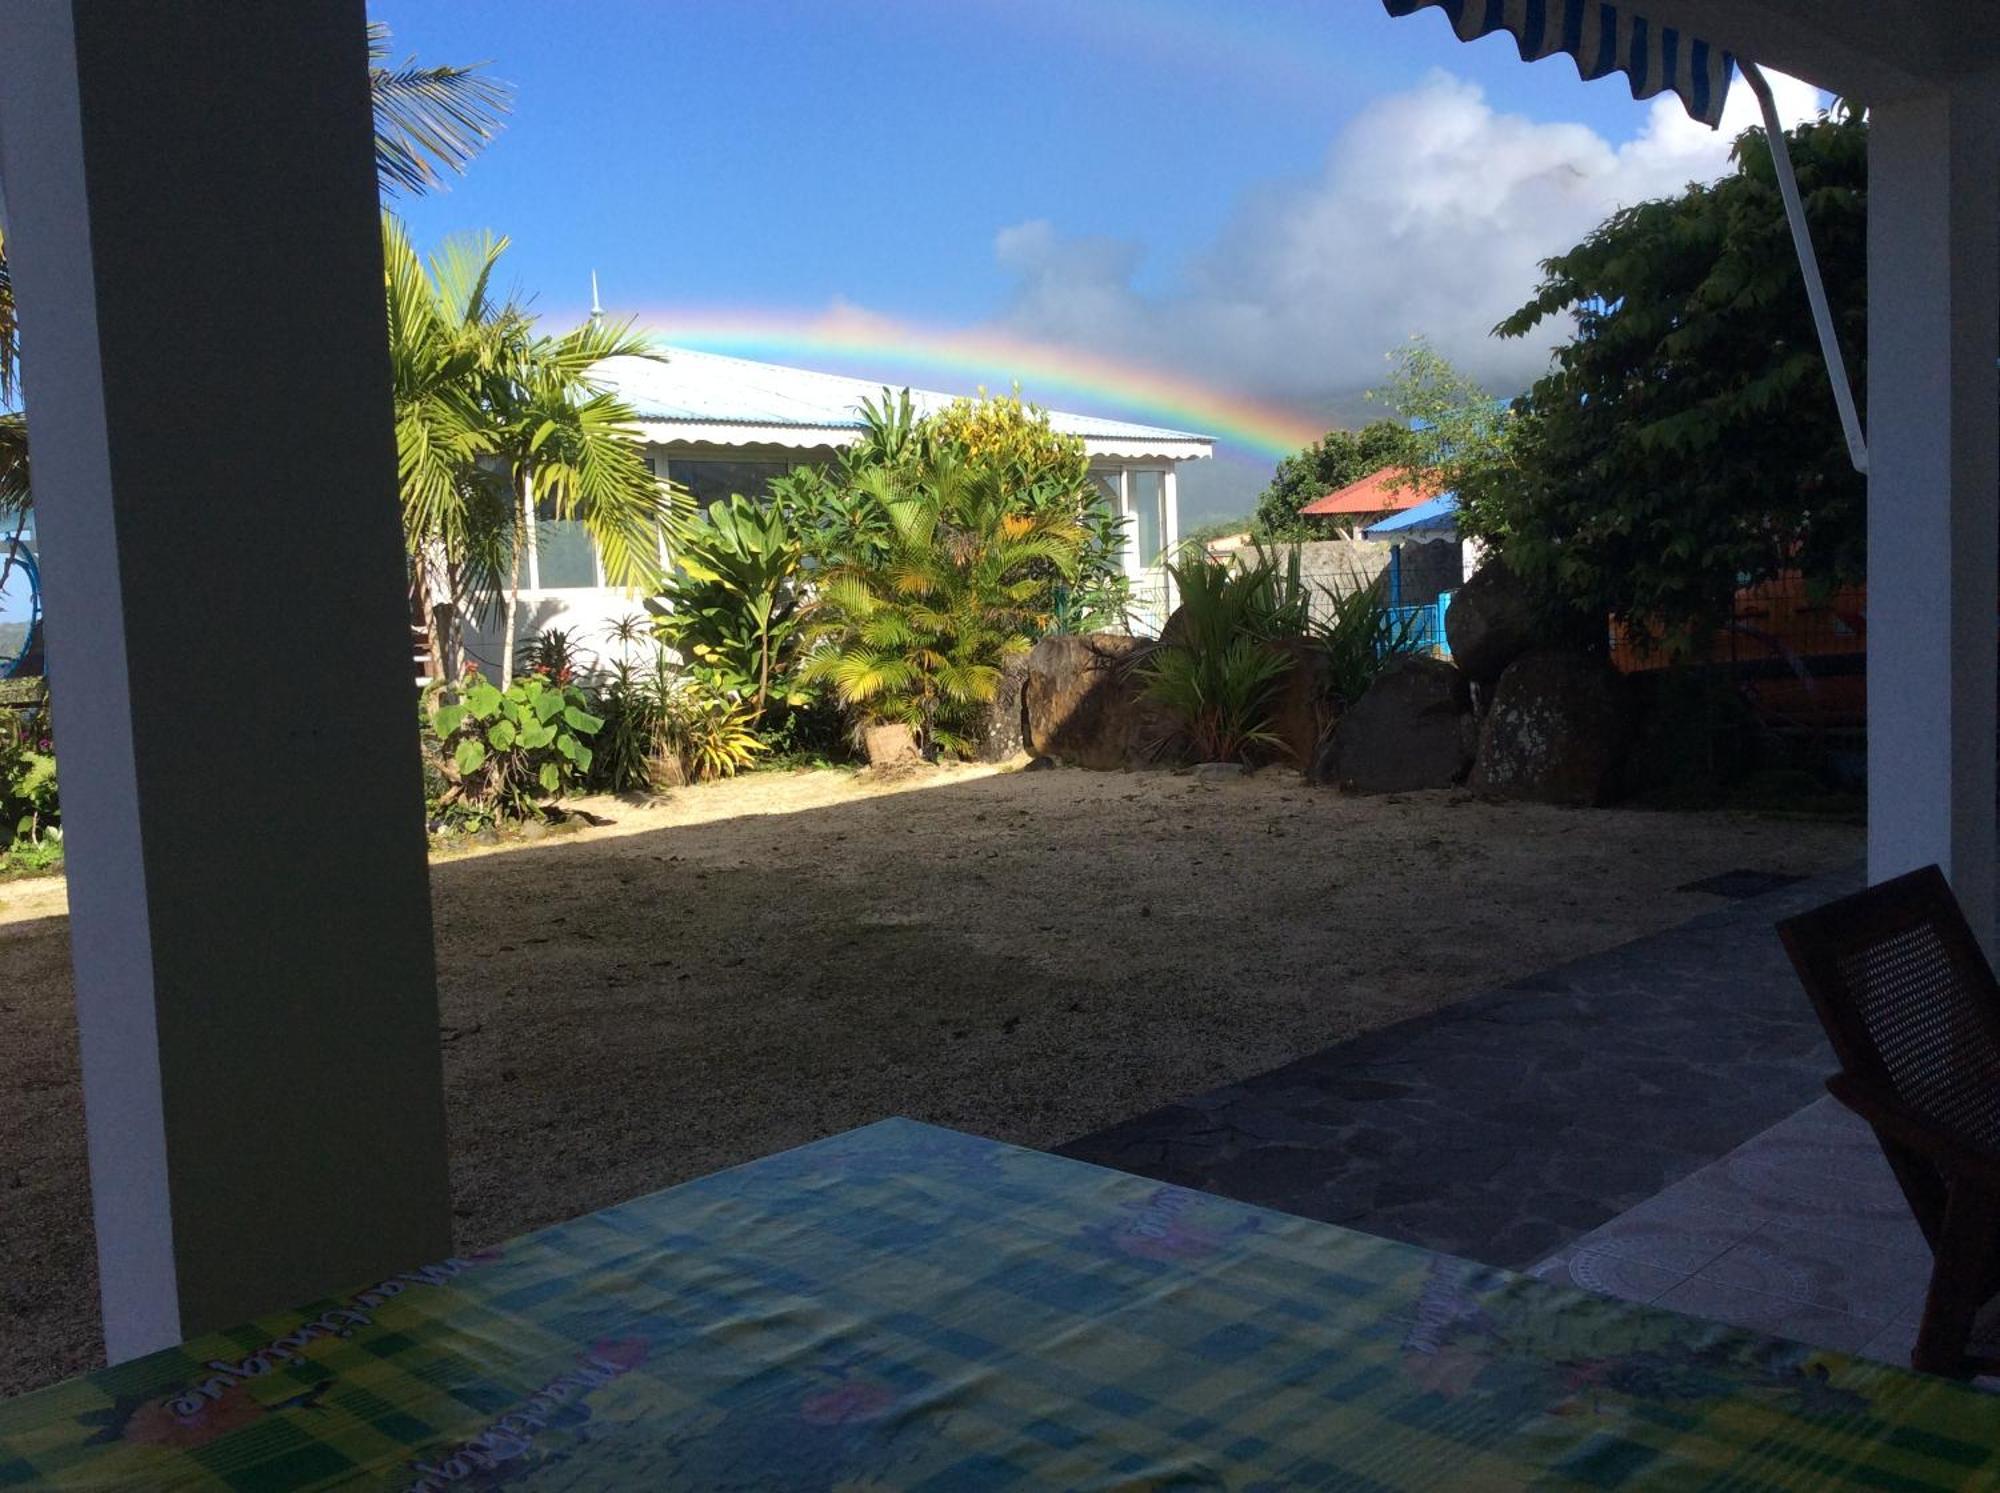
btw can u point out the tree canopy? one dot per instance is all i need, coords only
(1334, 460)
(1685, 442)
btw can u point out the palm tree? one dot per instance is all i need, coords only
(428, 121)
(918, 636)
(494, 420)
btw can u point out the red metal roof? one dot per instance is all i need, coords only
(1375, 494)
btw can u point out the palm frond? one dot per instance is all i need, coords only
(429, 120)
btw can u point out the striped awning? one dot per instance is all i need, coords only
(1601, 38)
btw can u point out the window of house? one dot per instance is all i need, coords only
(1146, 491)
(712, 481)
(565, 559)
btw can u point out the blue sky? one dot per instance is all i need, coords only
(1265, 195)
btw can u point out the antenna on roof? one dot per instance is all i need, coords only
(596, 311)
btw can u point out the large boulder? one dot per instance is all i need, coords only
(1412, 728)
(998, 735)
(1491, 622)
(1555, 732)
(1299, 710)
(1082, 704)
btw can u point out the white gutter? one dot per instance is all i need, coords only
(1795, 214)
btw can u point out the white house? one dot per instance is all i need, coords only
(719, 425)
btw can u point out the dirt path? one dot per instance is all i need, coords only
(1026, 955)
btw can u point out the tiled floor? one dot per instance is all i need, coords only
(1800, 1232)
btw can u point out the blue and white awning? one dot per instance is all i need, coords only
(1602, 39)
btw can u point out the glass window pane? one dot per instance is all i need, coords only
(1149, 491)
(564, 556)
(714, 481)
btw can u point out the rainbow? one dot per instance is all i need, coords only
(993, 359)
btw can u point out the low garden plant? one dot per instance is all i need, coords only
(507, 754)
(30, 811)
(1218, 669)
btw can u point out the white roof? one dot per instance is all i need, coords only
(708, 399)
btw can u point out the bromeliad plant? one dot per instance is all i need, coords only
(508, 754)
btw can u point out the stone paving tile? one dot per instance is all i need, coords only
(1683, 1241)
(1815, 1268)
(1608, 1274)
(1776, 1316)
(1503, 1127)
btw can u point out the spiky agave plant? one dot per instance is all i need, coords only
(917, 631)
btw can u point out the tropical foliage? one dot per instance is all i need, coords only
(1686, 443)
(1357, 635)
(735, 599)
(493, 419)
(508, 753)
(947, 579)
(29, 808)
(428, 120)
(1218, 670)
(702, 734)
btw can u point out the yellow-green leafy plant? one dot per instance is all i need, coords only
(917, 628)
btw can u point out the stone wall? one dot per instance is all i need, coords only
(1336, 565)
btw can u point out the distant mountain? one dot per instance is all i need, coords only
(12, 636)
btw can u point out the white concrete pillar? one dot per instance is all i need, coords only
(1934, 485)
(192, 225)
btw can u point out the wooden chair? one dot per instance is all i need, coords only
(1913, 1010)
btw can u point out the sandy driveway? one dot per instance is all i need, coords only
(1027, 955)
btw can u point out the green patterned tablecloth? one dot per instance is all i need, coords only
(907, 1307)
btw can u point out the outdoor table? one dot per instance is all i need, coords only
(907, 1307)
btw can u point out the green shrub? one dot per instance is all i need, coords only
(628, 700)
(735, 599)
(664, 726)
(507, 754)
(550, 655)
(916, 628)
(29, 808)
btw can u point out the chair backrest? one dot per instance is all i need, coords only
(1908, 1000)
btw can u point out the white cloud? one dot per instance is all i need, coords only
(1430, 214)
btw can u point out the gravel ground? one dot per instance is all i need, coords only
(1027, 955)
